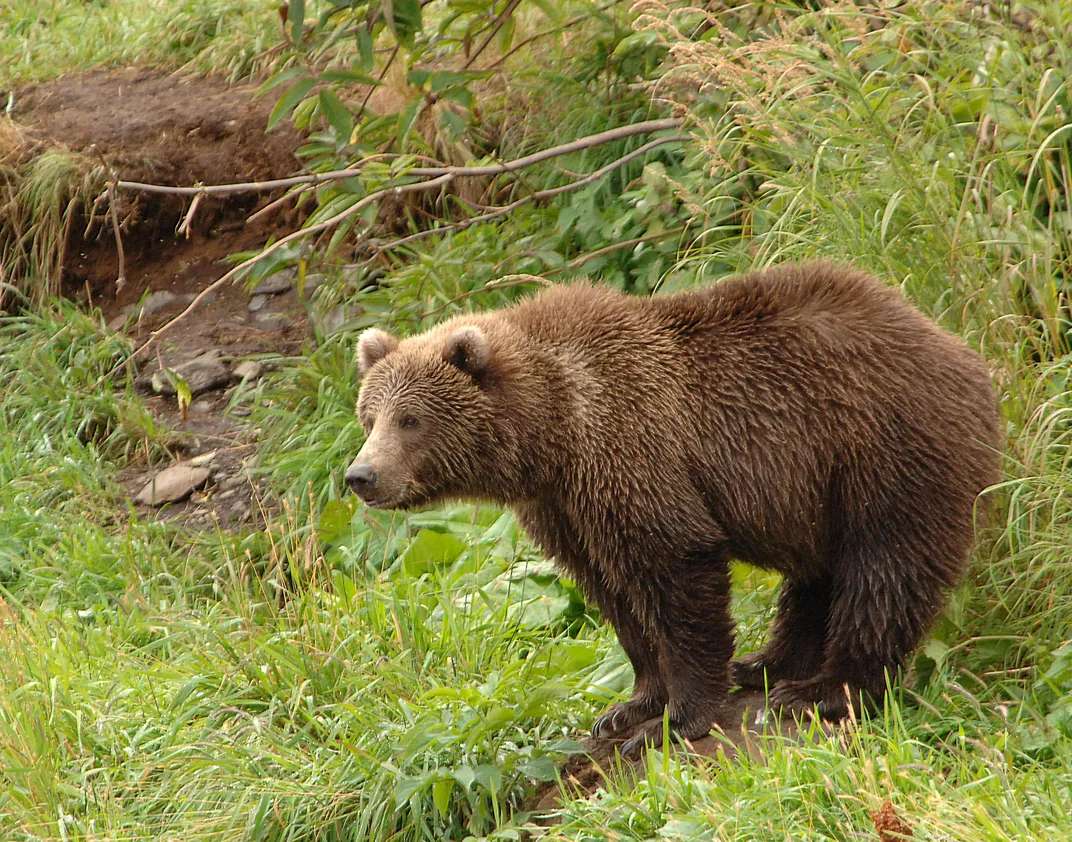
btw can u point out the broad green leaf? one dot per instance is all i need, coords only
(441, 790)
(407, 118)
(407, 786)
(337, 114)
(430, 549)
(440, 80)
(404, 18)
(334, 520)
(489, 777)
(540, 768)
(286, 103)
(365, 50)
(296, 16)
(354, 77)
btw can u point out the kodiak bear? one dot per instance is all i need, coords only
(804, 419)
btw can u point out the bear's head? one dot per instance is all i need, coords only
(428, 406)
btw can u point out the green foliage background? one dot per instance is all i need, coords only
(428, 670)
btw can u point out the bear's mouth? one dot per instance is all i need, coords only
(396, 501)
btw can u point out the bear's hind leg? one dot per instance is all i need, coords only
(649, 692)
(795, 649)
(695, 634)
(890, 589)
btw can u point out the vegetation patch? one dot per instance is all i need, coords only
(332, 673)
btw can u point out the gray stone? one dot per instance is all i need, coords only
(172, 485)
(201, 407)
(249, 370)
(313, 281)
(257, 302)
(154, 302)
(202, 374)
(274, 284)
(333, 319)
(118, 322)
(272, 321)
(234, 482)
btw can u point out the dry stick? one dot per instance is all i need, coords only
(488, 169)
(449, 175)
(184, 225)
(567, 25)
(113, 212)
(578, 262)
(532, 197)
(304, 232)
(509, 10)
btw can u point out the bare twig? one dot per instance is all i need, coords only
(505, 282)
(113, 212)
(509, 10)
(442, 176)
(297, 235)
(184, 226)
(462, 224)
(567, 25)
(577, 262)
(588, 142)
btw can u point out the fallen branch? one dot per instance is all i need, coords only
(443, 176)
(481, 170)
(582, 181)
(297, 235)
(121, 278)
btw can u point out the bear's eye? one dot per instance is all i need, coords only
(409, 421)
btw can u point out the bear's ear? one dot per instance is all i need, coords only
(373, 346)
(467, 350)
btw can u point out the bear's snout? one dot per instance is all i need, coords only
(361, 479)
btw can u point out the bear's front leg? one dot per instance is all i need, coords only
(695, 641)
(649, 692)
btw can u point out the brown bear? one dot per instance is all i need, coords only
(804, 419)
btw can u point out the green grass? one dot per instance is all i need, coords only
(42, 39)
(424, 672)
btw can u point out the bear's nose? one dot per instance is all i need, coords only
(361, 479)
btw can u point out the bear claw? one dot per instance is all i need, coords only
(623, 716)
(810, 694)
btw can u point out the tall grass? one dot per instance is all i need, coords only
(352, 675)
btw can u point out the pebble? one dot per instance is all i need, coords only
(202, 374)
(273, 285)
(257, 302)
(249, 370)
(172, 485)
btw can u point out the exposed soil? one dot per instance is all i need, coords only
(177, 130)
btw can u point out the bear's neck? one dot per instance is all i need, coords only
(537, 420)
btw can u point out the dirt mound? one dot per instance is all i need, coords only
(167, 129)
(176, 130)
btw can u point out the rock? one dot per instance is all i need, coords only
(274, 284)
(249, 370)
(272, 321)
(257, 302)
(335, 318)
(312, 282)
(119, 321)
(172, 485)
(234, 482)
(157, 301)
(202, 374)
(203, 407)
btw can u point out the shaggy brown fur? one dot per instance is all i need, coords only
(804, 419)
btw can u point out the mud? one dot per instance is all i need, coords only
(179, 130)
(166, 129)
